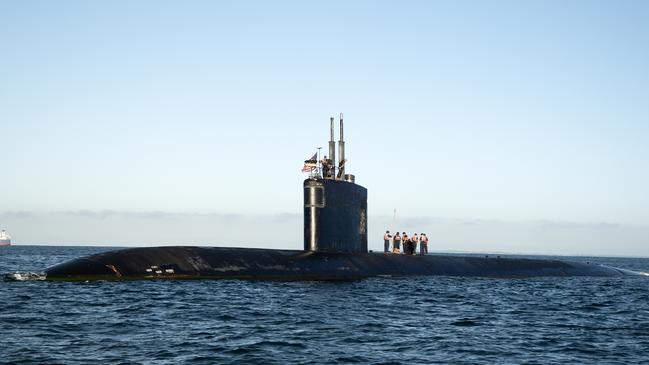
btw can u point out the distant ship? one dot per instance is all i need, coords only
(5, 240)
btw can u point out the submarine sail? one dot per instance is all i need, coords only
(335, 209)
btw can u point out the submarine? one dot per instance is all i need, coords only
(335, 247)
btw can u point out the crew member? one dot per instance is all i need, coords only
(423, 244)
(414, 240)
(386, 242)
(406, 243)
(396, 243)
(326, 167)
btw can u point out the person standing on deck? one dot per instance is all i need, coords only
(326, 168)
(396, 243)
(386, 242)
(406, 242)
(423, 244)
(415, 240)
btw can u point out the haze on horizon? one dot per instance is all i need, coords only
(493, 126)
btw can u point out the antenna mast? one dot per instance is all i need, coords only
(341, 151)
(332, 149)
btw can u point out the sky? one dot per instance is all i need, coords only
(500, 126)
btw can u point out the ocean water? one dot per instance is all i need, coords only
(416, 320)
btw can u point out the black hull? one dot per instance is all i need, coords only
(288, 265)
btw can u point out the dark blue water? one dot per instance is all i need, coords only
(400, 320)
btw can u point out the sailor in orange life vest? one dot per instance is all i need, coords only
(386, 242)
(413, 247)
(423, 245)
(396, 243)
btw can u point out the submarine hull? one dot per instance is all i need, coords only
(185, 262)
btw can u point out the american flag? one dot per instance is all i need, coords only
(310, 164)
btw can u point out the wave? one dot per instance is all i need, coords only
(24, 276)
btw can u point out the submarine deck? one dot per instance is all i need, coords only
(186, 262)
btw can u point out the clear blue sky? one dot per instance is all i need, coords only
(500, 110)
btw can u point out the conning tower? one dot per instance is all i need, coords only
(335, 207)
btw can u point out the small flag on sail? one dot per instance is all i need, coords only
(310, 164)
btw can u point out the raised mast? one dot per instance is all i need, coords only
(332, 149)
(341, 151)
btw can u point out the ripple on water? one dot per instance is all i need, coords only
(382, 321)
